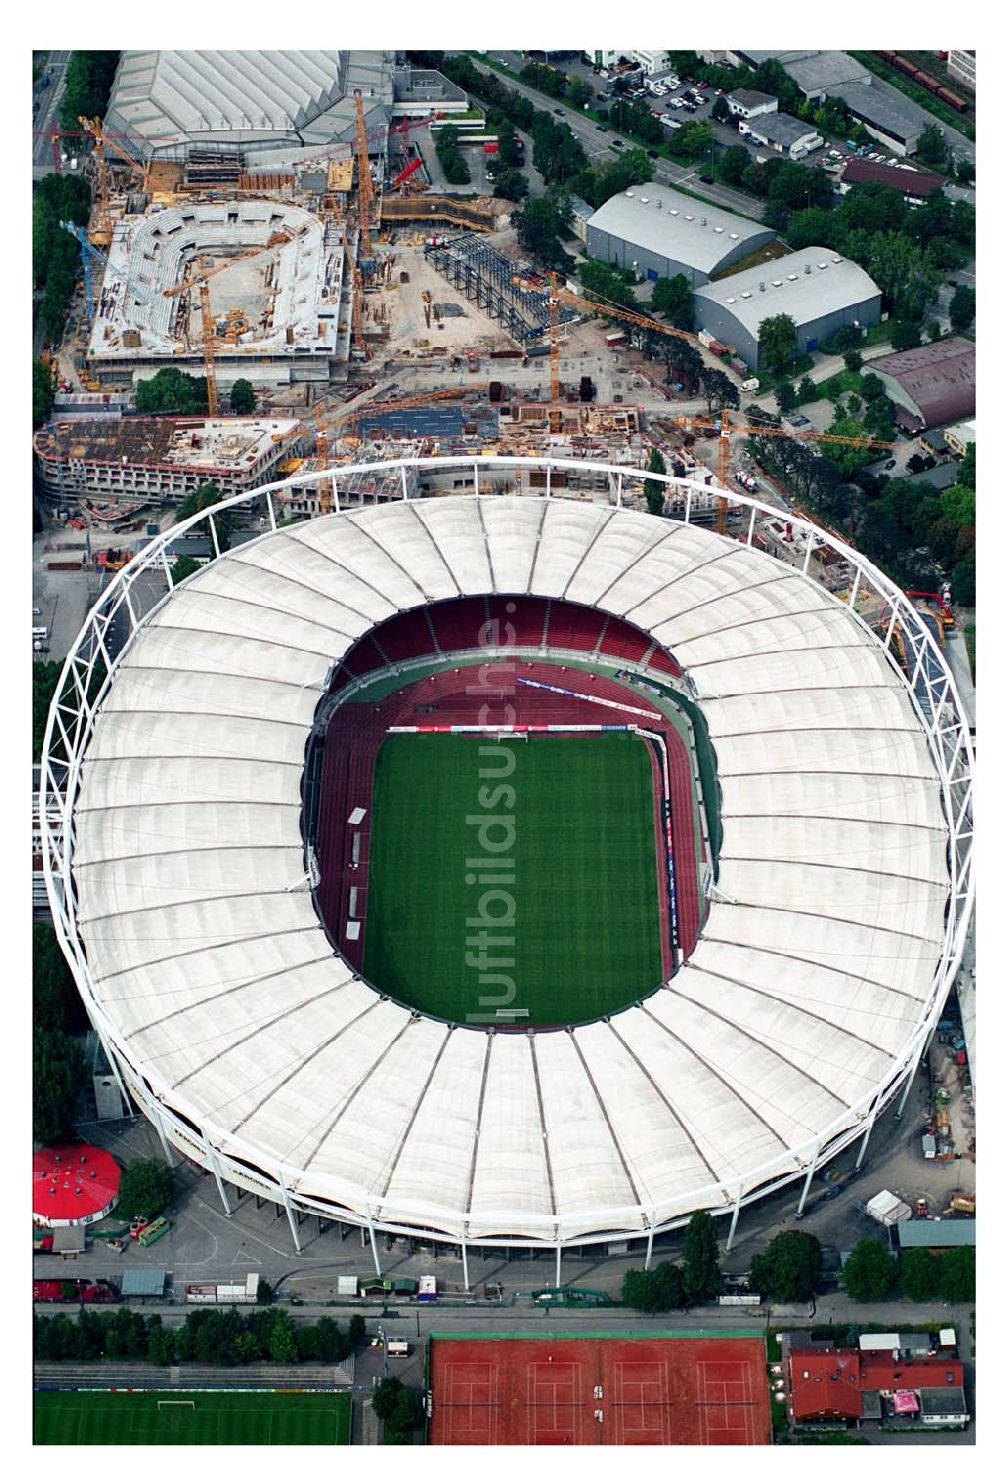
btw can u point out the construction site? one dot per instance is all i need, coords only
(373, 317)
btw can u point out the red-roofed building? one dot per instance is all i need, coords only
(828, 1385)
(74, 1184)
(915, 184)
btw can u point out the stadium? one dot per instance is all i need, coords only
(688, 954)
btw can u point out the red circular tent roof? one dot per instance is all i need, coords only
(73, 1181)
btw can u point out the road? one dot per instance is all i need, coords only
(48, 113)
(597, 145)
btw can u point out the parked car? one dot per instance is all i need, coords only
(602, 128)
(559, 112)
(616, 143)
(890, 464)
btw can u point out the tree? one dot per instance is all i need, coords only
(44, 679)
(673, 297)
(788, 1269)
(719, 390)
(702, 1277)
(903, 335)
(183, 568)
(56, 1004)
(776, 343)
(281, 1336)
(57, 1079)
(89, 75)
(539, 225)
(933, 148)
(721, 110)
(807, 390)
(653, 491)
(731, 164)
(510, 185)
(456, 170)
(398, 1407)
(963, 581)
(356, 1330)
(508, 152)
(658, 1290)
(145, 1189)
(847, 459)
(959, 1281)
(853, 361)
(692, 140)
(172, 392)
(265, 1293)
(603, 281)
(965, 171)
(962, 311)
(920, 1275)
(242, 398)
(869, 1272)
(206, 495)
(784, 393)
(160, 1341)
(43, 392)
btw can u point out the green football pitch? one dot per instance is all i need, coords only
(579, 816)
(179, 1418)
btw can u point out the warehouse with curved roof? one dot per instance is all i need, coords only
(819, 290)
(661, 233)
(259, 1051)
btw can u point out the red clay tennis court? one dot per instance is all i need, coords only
(599, 1391)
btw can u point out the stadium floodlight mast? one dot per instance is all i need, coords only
(85, 684)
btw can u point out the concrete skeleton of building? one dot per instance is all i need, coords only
(160, 460)
(660, 232)
(818, 289)
(280, 315)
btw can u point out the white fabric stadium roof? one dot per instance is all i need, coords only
(221, 986)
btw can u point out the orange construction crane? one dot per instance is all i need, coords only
(365, 193)
(557, 294)
(104, 140)
(727, 427)
(201, 280)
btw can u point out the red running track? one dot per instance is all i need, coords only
(452, 696)
(647, 1391)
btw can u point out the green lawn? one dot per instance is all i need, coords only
(217, 1419)
(586, 929)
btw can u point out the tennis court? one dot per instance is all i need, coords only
(194, 1418)
(680, 1390)
(560, 834)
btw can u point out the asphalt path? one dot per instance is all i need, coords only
(48, 113)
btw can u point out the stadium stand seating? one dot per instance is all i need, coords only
(457, 623)
(406, 636)
(574, 627)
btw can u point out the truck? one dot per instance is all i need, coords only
(887, 1208)
(427, 1289)
(151, 1232)
(397, 1348)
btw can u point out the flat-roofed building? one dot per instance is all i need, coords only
(784, 133)
(818, 289)
(962, 66)
(888, 116)
(660, 232)
(745, 102)
(160, 460)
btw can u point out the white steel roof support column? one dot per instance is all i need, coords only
(917, 1057)
(807, 1185)
(164, 1140)
(465, 1260)
(558, 1262)
(649, 1243)
(374, 1242)
(214, 1159)
(735, 1219)
(289, 1211)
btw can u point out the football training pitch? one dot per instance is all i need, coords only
(179, 1418)
(578, 824)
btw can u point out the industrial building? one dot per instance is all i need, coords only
(962, 66)
(960, 437)
(660, 232)
(268, 103)
(159, 460)
(815, 73)
(278, 311)
(746, 103)
(784, 133)
(914, 184)
(888, 116)
(820, 290)
(931, 386)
